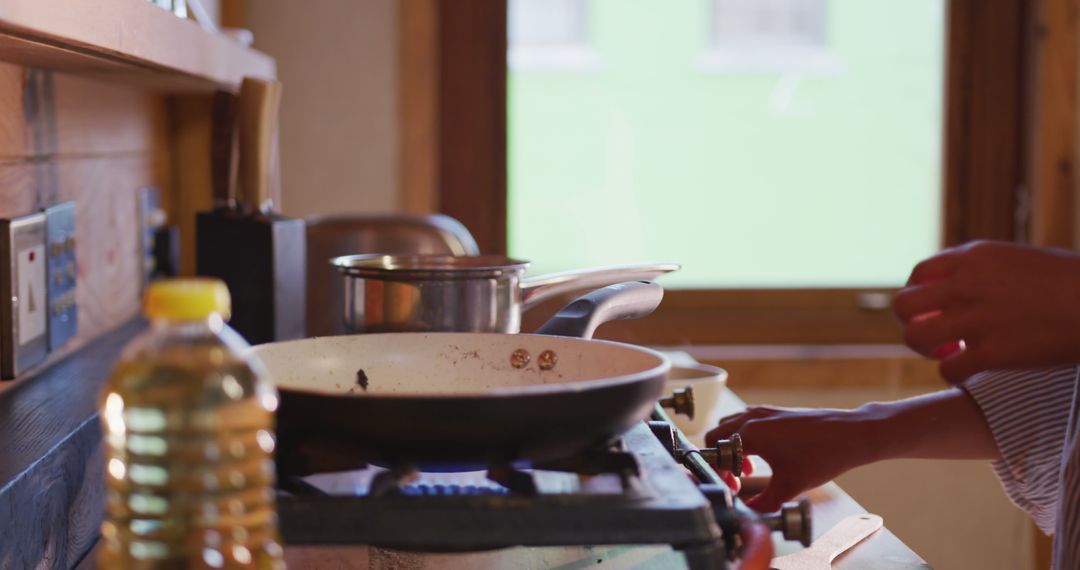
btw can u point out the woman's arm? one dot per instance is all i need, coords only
(941, 425)
(809, 447)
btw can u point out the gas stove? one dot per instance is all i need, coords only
(650, 487)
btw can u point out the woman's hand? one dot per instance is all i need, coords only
(805, 448)
(1012, 306)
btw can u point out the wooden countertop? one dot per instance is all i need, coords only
(51, 463)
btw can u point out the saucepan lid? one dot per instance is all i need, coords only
(428, 266)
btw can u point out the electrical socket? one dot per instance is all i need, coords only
(62, 273)
(23, 287)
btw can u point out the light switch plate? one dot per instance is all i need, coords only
(62, 273)
(23, 311)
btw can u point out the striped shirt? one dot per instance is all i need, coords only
(1033, 417)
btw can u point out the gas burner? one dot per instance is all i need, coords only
(635, 491)
(390, 481)
(608, 459)
(515, 480)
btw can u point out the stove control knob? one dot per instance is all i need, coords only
(665, 433)
(792, 521)
(727, 455)
(681, 401)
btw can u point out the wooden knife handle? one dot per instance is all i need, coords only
(223, 158)
(845, 534)
(819, 555)
(260, 101)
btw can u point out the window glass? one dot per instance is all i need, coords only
(549, 35)
(546, 22)
(813, 160)
(768, 23)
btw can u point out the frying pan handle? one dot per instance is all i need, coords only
(630, 300)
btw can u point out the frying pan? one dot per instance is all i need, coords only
(465, 401)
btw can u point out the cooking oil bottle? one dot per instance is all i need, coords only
(189, 441)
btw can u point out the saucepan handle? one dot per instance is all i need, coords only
(537, 288)
(630, 300)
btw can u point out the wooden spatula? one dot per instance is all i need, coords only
(820, 554)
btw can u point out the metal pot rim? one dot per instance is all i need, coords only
(428, 265)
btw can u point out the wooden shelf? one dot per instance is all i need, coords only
(125, 40)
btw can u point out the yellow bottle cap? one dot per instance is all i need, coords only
(186, 299)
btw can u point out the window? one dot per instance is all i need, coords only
(546, 23)
(750, 24)
(979, 141)
(549, 34)
(767, 180)
(753, 36)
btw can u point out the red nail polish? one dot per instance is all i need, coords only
(948, 349)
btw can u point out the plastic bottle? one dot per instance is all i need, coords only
(188, 433)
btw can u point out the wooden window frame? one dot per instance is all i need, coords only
(1009, 152)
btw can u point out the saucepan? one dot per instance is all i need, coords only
(485, 293)
(450, 401)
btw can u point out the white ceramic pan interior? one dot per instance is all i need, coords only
(454, 364)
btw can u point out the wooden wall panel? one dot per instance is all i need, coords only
(46, 115)
(12, 134)
(75, 116)
(18, 193)
(98, 118)
(104, 190)
(70, 138)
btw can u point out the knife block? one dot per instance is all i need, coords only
(261, 258)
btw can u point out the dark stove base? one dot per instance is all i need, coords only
(661, 506)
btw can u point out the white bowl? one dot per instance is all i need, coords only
(707, 383)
